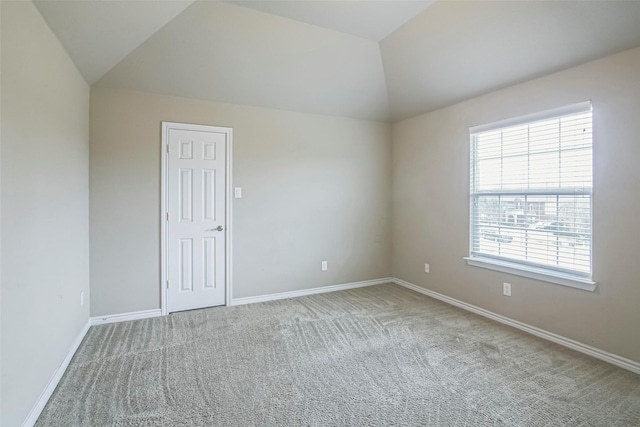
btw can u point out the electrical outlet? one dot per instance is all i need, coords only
(81, 298)
(506, 289)
(426, 268)
(325, 267)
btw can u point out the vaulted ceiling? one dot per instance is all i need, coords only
(380, 60)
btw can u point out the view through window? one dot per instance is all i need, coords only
(531, 188)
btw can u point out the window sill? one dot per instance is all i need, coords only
(533, 273)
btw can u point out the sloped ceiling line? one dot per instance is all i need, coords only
(99, 34)
(377, 60)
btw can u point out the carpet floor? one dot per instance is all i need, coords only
(376, 356)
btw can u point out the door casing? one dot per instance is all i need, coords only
(164, 197)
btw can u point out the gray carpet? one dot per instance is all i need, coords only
(376, 356)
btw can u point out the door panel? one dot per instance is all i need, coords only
(196, 228)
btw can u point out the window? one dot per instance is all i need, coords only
(531, 191)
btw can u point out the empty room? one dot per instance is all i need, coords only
(319, 213)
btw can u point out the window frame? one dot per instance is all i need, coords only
(571, 278)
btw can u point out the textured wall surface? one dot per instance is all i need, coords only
(314, 188)
(45, 207)
(431, 205)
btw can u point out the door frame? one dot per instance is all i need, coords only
(164, 197)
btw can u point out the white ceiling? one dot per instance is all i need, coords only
(456, 50)
(99, 34)
(364, 59)
(370, 19)
(233, 54)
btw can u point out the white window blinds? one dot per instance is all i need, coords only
(531, 185)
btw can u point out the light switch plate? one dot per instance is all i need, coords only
(237, 192)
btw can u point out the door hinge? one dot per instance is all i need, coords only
(167, 216)
(167, 148)
(167, 284)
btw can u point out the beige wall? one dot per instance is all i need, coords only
(431, 205)
(314, 188)
(45, 196)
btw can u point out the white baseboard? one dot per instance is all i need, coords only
(123, 317)
(55, 379)
(312, 291)
(146, 314)
(558, 339)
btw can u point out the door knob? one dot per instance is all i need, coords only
(218, 228)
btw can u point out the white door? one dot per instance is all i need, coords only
(196, 223)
